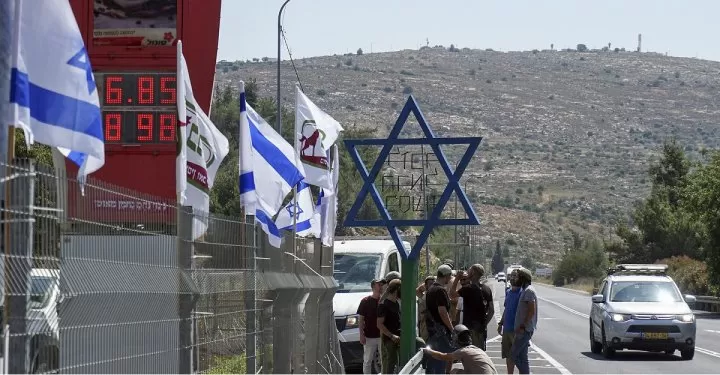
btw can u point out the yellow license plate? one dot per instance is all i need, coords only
(655, 335)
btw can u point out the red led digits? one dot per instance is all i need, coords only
(139, 108)
(168, 122)
(144, 127)
(112, 122)
(168, 90)
(146, 90)
(113, 94)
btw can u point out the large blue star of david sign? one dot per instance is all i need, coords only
(434, 219)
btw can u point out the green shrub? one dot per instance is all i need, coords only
(229, 365)
(691, 275)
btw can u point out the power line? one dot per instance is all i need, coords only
(287, 46)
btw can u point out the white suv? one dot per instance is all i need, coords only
(639, 307)
(357, 263)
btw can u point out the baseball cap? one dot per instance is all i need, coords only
(525, 272)
(392, 275)
(375, 281)
(444, 270)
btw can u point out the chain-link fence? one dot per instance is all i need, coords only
(106, 280)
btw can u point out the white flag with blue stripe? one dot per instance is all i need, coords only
(53, 95)
(308, 219)
(268, 166)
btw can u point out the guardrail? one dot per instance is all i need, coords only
(414, 364)
(707, 303)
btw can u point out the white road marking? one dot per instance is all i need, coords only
(712, 331)
(708, 352)
(552, 360)
(586, 316)
(578, 313)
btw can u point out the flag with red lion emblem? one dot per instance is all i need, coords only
(315, 133)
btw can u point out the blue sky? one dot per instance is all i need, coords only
(248, 28)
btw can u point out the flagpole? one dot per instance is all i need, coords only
(279, 107)
(296, 145)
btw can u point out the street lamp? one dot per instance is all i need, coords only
(279, 109)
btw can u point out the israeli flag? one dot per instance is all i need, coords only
(268, 170)
(268, 226)
(53, 95)
(307, 218)
(268, 166)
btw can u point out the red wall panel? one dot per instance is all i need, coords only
(149, 169)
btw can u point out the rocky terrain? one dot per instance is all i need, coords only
(568, 136)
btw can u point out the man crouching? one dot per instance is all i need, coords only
(474, 359)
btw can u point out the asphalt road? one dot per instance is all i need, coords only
(561, 343)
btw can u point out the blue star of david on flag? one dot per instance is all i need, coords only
(453, 176)
(291, 209)
(81, 60)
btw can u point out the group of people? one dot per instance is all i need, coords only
(454, 310)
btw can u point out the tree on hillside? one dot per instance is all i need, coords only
(498, 263)
(590, 261)
(669, 174)
(582, 48)
(663, 228)
(702, 201)
(528, 262)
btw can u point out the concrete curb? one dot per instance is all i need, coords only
(565, 289)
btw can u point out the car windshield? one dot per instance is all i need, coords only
(40, 290)
(354, 272)
(644, 291)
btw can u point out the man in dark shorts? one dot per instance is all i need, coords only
(525, 321)
(388, 322)
(506, 326)
(369, 332)
(439, 325)
(478, 307)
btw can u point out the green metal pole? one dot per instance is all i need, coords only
(408, 308)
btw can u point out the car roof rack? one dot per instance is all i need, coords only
(638, 269)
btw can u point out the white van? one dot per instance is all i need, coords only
(357, 263)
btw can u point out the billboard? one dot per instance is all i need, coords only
(135, 23)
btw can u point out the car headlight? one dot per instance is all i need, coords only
(351, 322)
(620, 317)
(687, 318)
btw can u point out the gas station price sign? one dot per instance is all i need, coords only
(138, 108)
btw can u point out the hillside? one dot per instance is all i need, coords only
(568, 136)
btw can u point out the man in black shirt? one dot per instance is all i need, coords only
(388, 321)
(478, 308)
(369, 332)
(439, 325)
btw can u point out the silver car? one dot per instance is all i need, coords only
(639, 307)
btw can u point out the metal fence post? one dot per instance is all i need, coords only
(251, 300)
(185, 298)
(19, 263)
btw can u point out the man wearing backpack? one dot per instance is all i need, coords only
(478, 307)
